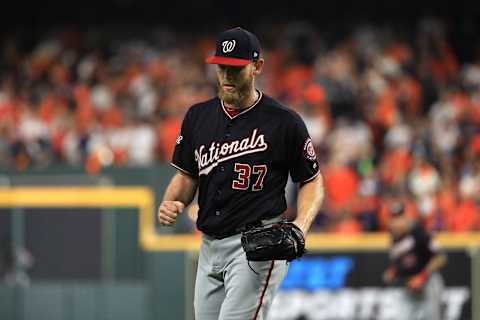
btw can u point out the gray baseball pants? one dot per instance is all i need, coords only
(425, 305)
(226, 287)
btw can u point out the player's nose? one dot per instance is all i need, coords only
(228, 80)
(227, 76)
(230, 72)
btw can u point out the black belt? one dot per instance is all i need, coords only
(240, 229)
(255, 224)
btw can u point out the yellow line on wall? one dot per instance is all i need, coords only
(143, 199)
(85, 197)
(318, 242)
(75, 197)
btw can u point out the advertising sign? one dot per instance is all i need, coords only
(349, 286)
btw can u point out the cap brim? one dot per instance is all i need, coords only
(227, 61)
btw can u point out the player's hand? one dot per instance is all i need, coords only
(168, 212)
(389, 275)
(417, 282)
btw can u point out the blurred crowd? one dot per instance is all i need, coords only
(393, 116)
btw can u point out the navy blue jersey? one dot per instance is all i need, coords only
(411, 252)
(242, 162)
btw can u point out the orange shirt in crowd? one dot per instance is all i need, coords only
(465, 217)
(475, 144)
(348, 226)
(446, 203)
(395, 165)
(315, 95)
(461, 101)
(386, 108)
(85, 114)
(400, 52)
(6, 113)
(341, 184)
(410, 91)
(47, 108)
(295, 79)
(444, 67)
(112, 118)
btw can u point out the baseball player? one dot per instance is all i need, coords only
(414, 262)
(238, 149)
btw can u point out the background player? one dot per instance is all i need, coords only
(239, 149)
(414, 262)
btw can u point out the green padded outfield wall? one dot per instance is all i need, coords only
(88, 262)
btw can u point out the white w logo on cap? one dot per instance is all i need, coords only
(228, 46)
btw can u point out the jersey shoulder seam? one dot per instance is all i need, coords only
(271, 102)
(204, 104)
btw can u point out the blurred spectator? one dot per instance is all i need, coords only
(14, 263)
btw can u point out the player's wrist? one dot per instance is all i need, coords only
(424, 274)
(301, 225)
(393, 271)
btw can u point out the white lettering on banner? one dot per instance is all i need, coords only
(207, 159)
(370, 303)
(455, 298)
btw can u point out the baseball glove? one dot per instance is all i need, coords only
(277, 241)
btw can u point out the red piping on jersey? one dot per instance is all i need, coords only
(264, 290)
(183, 170)
(312, 177)
(243, 111)
(232, 112)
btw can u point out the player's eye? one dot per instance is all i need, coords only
(230, 69)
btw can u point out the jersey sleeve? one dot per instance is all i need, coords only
(426, 242)
(183, 155)
(301, 154)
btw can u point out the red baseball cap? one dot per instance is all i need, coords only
(236, 47)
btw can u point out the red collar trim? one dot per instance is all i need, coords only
(260, 95)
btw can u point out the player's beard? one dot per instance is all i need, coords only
(241, 92)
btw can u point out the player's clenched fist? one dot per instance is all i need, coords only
(168, 211)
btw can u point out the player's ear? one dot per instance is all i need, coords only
(257, 66)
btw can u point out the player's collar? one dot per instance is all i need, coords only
(260, 95)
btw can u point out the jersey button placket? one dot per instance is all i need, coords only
(222, 168)
(228, 133)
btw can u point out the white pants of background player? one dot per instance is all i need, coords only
(425, 305)
(227, 289)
